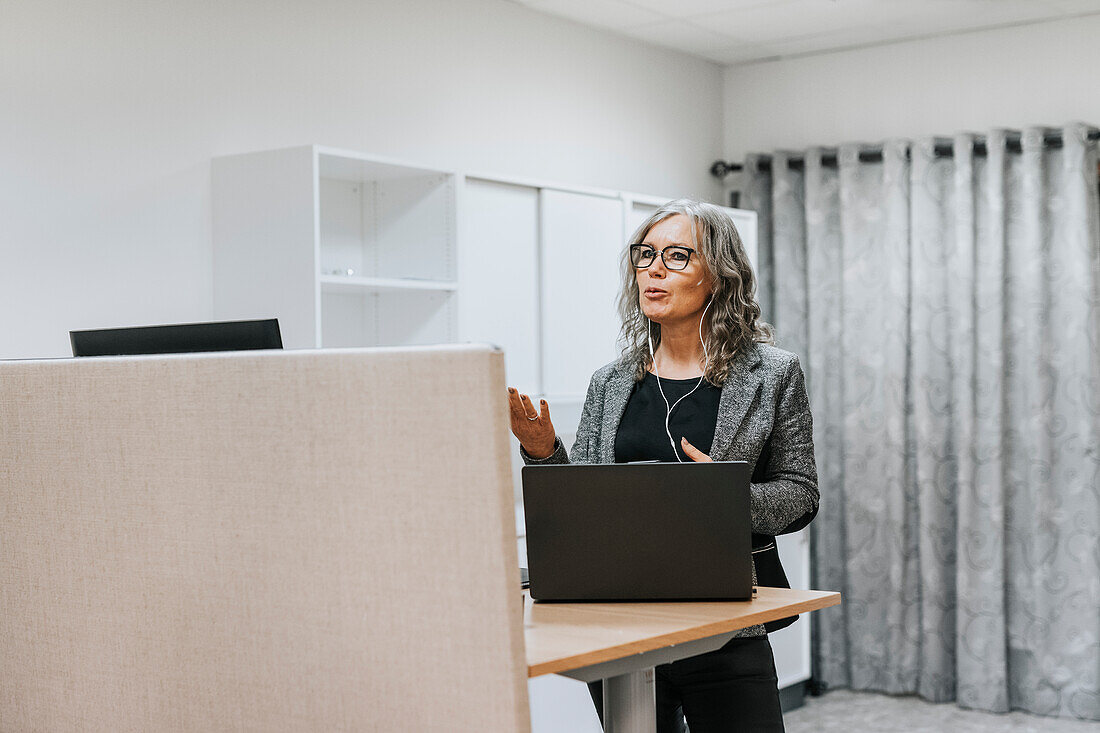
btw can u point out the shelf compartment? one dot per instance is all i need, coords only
(391, 228)
(402, 317)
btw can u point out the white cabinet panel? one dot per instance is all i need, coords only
(745, 221)
(636, 212)
(561, 704)
(498, 279)
(791, 645)
(582, 239)
(263, 231)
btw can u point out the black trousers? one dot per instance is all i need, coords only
(729, 690)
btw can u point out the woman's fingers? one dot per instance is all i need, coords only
(520, 404)
(544, 412)
(522, 407)
(515, 404)
(694, 453)
(529, 410)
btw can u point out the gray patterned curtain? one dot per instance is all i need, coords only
(947, 311)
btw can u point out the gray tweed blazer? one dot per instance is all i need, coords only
(763, 418)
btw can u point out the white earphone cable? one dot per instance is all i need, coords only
(706, 363)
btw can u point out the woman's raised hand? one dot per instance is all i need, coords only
(531, 427)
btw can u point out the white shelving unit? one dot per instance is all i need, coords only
(344, 249)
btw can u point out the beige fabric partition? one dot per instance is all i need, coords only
(268, 541)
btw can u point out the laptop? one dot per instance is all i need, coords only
(638, 532)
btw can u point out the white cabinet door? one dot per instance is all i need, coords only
(745, 221)
(498, 276)
(635, 213)
(582, 239)
(791, 646)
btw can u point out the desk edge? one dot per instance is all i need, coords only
(577, 661)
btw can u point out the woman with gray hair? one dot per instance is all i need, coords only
(699, 380)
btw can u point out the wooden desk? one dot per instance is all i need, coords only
(621, 643)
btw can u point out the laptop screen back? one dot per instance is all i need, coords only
(656, 531)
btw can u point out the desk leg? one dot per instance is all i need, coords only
(630, 703)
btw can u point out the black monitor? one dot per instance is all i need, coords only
(178, 338)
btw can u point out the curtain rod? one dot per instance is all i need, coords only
(873, 154)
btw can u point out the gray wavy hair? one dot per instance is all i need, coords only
(733, 320)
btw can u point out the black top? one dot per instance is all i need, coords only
(642, 436)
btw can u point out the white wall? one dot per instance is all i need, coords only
(111, 110)
(1037, 74)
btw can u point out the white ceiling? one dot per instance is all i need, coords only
(741, 31)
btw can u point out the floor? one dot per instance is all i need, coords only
(843, 710)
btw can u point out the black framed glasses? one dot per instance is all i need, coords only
(674, 256)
